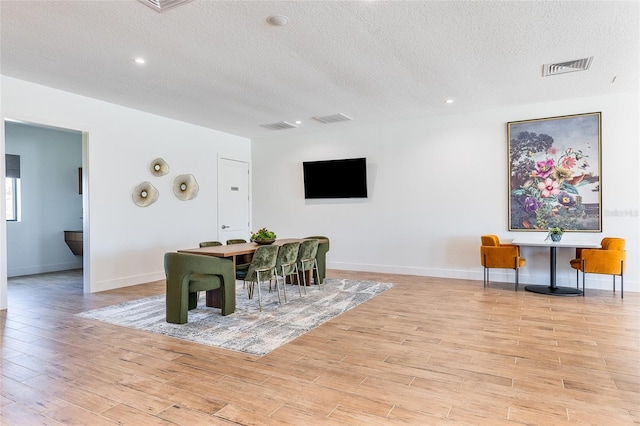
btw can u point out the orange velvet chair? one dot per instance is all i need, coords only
(610, 259)
(496, 255)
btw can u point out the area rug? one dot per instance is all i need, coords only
(247, 330)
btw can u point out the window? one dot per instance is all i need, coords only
(12, 186)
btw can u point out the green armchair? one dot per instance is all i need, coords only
(321, 259)
(187, 274)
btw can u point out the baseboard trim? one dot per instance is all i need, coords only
(43, 269)
(565, 278)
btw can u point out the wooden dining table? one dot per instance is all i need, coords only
(234, 252)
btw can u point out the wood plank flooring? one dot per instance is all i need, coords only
(429, 351)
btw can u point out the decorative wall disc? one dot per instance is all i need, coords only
(145, 194)
(159, 167)
(185, 187)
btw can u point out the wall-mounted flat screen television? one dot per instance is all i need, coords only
(345, 178)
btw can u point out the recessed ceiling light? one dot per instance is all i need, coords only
(298, 122)
(139, 60)
(278, 20)
(448, 101)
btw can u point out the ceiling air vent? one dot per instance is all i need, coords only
(281, 125)
(332, 118)
(162, 5)
(565, 67)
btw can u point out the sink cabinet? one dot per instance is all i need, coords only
(74, 241)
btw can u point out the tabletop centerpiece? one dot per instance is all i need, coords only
(263, 236)
(555, 234)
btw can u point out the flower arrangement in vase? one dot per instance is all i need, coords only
(263, 236)
(555, 234)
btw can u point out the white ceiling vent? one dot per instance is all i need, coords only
(332, 118)
(162, 5)
(565, 67)
(281, 125)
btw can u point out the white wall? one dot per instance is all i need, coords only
(436, 185)
(126, 243)
(50, 201)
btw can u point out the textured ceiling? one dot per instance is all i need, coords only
(220, 65)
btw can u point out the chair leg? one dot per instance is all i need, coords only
(486, 277)
(295, 270)
(259, 293)
(317, 274)
(614, 283)
(577, 278)
(304, 278)
(584, 267)
(622, 279)
(249, 289)
(517, 271)
(273, 273)
(284, 286)
(485, 273)
(304, 275)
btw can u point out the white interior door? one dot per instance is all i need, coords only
(233, 199)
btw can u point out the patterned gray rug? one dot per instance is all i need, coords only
(247, 330)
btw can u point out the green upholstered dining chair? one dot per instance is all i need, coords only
(210, 244)
(242, 262)
(236, 241)
(286, 265)
(307, 260)
(321, 257)
(494, 254)
(609, 259)
(187, 274)
(261, 269)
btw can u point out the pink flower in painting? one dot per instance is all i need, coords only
(545, 168)
(549, 188)
(568, 162)
(552, 150)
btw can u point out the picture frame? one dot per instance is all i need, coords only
(555, 173)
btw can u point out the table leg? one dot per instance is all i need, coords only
(552, 267)
(214, 297)
(552, 288)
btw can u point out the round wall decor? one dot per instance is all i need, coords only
(145, 194)
(159, 167)
(185, 187)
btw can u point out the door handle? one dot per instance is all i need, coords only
(225, 227)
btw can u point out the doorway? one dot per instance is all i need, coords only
(233, 199)
(52, 200)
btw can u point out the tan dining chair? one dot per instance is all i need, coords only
(609, 259)
(493, 254)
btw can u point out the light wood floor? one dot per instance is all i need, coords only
(428, 351)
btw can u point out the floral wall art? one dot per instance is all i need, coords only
(554, 173)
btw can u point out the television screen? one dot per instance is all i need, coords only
(335, 178)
